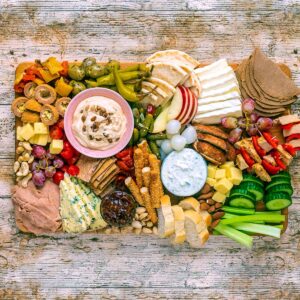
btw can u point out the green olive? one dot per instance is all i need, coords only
(88, 62)
(95, 71)
(76, 72)
(77, 87)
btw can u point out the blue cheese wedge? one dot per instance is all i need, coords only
(184, 173)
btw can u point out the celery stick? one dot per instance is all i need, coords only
(238, 211)
(258, 228)
(262, 217)
(274, 212)
(278, 226)
(229, 216)
(235, 235)
(215, 232)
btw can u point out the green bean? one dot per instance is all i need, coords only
(135, 135)
(154, 148)
(158, 110)
(146, 125)
(155, 137)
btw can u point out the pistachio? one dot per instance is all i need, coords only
(20, 150)
(16, 166)
(136, 224)
(143, 216)
(147, 230)
(24, 181)
(140, 210)
(136, 216)
(23, 170)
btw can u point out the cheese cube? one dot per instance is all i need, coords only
(211, 171)
(235, 175)
(27, 132)
(19, 136)
(211, 181)
(56, 146)
(220, 173)
(39, 139)
(219, 197)
(40, 128)
(227, 165)
(223, 186)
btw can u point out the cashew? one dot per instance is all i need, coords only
(31, 159)
(24, 169)
(20, 150)
(26, 156)
(16, 166)
(24, 181)
(18, 179)
(20, 159)
(27, 146)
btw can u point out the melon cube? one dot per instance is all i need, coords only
(211, 171)
(219, 197)
(40, 128)
(211, 181)
(27, 132)
(235, 175)
(220, 174)
(39, 139)
(56, 146)
(19, 136)
(223, 186)
(227, 165)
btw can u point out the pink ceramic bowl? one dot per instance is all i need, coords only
(68, 119)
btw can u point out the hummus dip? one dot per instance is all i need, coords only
(98, 123)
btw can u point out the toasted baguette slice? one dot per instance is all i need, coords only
(166, 222)
(206, 217)
(195, 228)
(190, 203)
(179, 236)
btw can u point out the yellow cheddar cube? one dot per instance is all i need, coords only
(27, 132)
(211, 171)
(227, 165)
(211, 181)
(219, 197)
(56, 146)
(223, 186)
(235, 175)
(19, 136)
(39, 139)
(220, 174)
(40, 128)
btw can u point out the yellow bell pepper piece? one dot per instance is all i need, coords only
(20, 71)
(47, 76)
(53, 65)
(62, 88)
(39, 81)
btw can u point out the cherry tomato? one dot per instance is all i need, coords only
(64, 168)
(58, 177)
(67, 153)
(122, 165)
(150, 109)
(67, 145)
(56, 133)
(60, 124)
(72, 160)
(73, 170)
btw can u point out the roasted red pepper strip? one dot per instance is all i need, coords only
(278, 160)
(270, 168)
(123, 153)
(289, 148)
(261, 152)
(273, 141)
(122, 165)
(28, 77)
(297, 148)
(248, 159)
(33, 71)
(65, 65)
(288, 126)
(19, 88)
(293, 137)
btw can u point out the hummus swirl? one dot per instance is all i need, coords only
(98, 123)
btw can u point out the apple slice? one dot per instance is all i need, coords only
(190, 109)
(161, 121)
(176, 105)
(185, 105)
(194, 108)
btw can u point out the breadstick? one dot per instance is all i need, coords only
(146, 176)
(147, 201)
(144, 147)
(138, 166)
(154, 163)
(133, 188)
(155, 190)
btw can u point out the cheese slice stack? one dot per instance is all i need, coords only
(220, 94)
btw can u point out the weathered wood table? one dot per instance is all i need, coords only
(133, 267)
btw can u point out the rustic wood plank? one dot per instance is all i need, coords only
(117, 267)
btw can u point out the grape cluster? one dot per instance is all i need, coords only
(251, 123)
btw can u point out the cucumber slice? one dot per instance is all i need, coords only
(251, 178)
(278, 181)
(254, 188)
(286, 188)
(281, 174)
(240, 191)
(242, 202)
(276, 201)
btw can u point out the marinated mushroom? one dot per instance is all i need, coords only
(49, 114)
(77, 87)
(18, 106)
(61, 105)
(88, 62)
(29, 89)
(45, 94)
(76, 72)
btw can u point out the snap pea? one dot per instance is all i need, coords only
(136, 116)
(156, 137)
(146, 125)
(158, 110)
(154, 148)
(151, 126)
(135, 135)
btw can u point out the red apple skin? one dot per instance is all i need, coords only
(195, 103)
(192, 109)
(185, 104)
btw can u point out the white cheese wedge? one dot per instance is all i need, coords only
(218, 81)
(227, 96)
(214, 117)
(228, 87)
(221, 63)
(218, 105)
(215, 73)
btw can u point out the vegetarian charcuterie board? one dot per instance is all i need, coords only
(169, 146)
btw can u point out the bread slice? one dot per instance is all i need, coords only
(179, 236)
(166, 221)
(195, 228)
(206, 217)
(190, 203)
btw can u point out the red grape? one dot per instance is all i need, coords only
(264, 124)
(50, 171)
(252, 130)
(150, 109)
(58, 163)
(242, 122)
(38, 151)
(248, 106)
(229, 122)
(235, 135)
(38, 178)
(253, 118)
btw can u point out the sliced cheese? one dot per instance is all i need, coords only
(166, 221)
(218, 81)
(218, 105)
(221, 63)
(295, 143)
(284, 120)
(227, 96)
(190, 203)
(215, 74)
(294, 130)
(179, 236)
